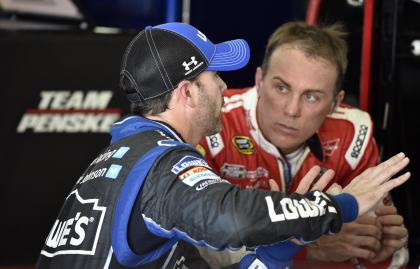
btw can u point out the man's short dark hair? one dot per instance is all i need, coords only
(152, 106)
(149, 107)
(323, 41)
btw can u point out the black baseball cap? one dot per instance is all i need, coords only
(160, 57)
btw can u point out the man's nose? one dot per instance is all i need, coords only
(222, 85)
(292, 106)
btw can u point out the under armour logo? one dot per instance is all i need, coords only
(187, 65)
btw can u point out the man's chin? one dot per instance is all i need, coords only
(288, 147)
(215, 130)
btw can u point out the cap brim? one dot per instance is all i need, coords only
(230, 55)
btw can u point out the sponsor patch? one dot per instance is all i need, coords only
(359, 141)
(120, 152)
(204, 184)
(260, 172)
(233, 170)
(243, 144)
(77, 229)
(362, 125)
(197, 174)
(303, 208)
(330, 146)
(215, 143)
(188, 161)
(113, 171)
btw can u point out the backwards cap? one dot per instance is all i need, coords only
(160, 57)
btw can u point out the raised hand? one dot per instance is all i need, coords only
(311, 181)
(374, 183)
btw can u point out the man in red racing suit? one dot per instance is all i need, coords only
(245, 154)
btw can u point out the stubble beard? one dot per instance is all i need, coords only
(210, 116)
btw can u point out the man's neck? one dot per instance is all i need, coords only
(181, 125)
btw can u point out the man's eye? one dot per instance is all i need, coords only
(282, 88)
(311, 97)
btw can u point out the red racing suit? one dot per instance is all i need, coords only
(241, 153)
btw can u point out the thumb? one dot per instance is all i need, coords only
(335, 189)
(273, 185)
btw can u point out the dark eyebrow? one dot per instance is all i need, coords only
(282, 81)
(315, 91)
(288, 86)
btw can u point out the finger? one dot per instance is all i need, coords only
(323, 180)
(366, 219)
(393, 183)
(391, 161)
(395, 232)
(273, 185)
(392, 243)
(385, 210)
(394, 220)
(368, 242)
(383, 254)
(374, 171)
(365, 230)
(360, 253)
(307, 180)
(335, 189)
(385, 174)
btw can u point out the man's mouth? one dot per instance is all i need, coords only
(286, 128)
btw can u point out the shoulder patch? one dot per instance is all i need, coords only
(215, 143)
(186, 162)
(196, 174)
(362, 125)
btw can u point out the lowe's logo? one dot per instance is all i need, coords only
(188, 161)
(77, 228)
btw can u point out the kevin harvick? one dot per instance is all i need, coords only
(241, 154)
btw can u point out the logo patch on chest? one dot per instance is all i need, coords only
(243, 144)
(77, 229)
(330, 146)
(233, 170)
(215, 143)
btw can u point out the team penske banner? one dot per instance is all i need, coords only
(70, 112)
(60, 96)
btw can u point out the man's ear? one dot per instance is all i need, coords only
(258, 78)
(337, 100)
(185, 93)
